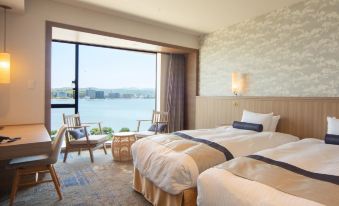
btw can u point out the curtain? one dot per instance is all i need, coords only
(175, 91)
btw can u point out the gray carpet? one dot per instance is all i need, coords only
(103, 182)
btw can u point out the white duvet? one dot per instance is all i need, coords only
(218, 187)
(174, 172)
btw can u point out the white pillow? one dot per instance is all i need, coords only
(274, 123)
(257, 118)
(332, 125)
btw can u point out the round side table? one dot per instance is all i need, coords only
(121, 145)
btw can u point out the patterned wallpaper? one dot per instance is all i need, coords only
(292, 51)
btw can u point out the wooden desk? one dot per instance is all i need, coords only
(35, 140)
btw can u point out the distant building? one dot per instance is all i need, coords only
(99, 95)
(54, 94)
(61, 94)
(114, 95)
(128, 96)
(91, 93)
(82, 95)
(70, 95)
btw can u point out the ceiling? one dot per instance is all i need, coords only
(16, 5)
(192, 16)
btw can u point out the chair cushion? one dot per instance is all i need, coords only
(161, 127)
(144, 134)
(93, 139)
(77, 133)
(29, 161)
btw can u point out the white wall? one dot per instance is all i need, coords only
(26, 43)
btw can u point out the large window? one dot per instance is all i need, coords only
(113, 86)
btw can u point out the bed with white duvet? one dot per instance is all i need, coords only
(174, 161)
(303, 173)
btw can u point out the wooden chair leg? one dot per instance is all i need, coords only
(56, 175)
(104, 146)
(55, 181)
(65, 155)
(91, 154)
(79, 152)
(15, 186)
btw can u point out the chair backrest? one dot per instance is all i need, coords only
(56, 146)
(160, 117)
(72, 120)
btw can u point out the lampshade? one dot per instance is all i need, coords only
(5, 68)
(235, 83)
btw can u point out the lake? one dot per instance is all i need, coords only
(115, 113)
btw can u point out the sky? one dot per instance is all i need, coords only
(102, 67)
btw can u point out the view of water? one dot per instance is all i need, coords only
(115, 113)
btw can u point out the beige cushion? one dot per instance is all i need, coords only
(144, 134)
(29, 161)
(93, 139)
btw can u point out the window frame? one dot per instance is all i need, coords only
(76, 81)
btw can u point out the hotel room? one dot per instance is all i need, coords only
(169, 103)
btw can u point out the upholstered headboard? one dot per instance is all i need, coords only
(300, 116)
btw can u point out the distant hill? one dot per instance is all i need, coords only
(135, 91)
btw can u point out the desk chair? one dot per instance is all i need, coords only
(38, 164)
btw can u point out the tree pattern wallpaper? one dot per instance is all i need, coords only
(293, 51)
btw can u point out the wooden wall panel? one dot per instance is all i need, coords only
(190, 89)
(301, 116)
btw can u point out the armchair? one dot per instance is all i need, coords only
(159, 125)
(78, 138)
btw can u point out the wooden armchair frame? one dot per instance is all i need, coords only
(157, 118)
(73, 122)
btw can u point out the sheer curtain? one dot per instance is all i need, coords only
(175, 91)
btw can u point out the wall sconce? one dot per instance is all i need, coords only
(5, 58)
(238, 80)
